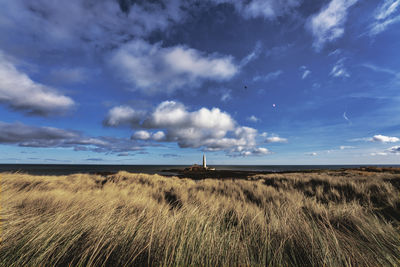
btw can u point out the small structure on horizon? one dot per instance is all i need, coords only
(198, 168)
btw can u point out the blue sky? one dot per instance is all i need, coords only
(161, 82)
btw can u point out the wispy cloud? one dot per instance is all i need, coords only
(270, 9)
(394, 150)
(305, 72)
(385, 139)
(385, 15)
(378, 154)
(346, 118)
(269, 77)
(377, 138)
(328, 24)
(155, 69)
(346, 147)
(252, 56)
(339, 69)
(253, 118)
(50, 137)
(273, 138)
(376, 68)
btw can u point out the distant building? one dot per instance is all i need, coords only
(198, 168)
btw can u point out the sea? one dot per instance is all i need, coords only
(66, 169)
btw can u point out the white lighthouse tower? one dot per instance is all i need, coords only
(204, 162)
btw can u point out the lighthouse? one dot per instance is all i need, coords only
(204, 162)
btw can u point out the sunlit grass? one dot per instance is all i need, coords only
(332, 219)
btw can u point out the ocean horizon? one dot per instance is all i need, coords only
(66, 169)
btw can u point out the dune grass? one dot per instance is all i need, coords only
(347, 218)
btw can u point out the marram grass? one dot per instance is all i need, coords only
(348, 218)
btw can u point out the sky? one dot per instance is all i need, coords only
(162, 82)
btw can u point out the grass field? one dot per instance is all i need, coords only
(332, 218)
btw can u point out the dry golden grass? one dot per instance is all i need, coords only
(344, 218)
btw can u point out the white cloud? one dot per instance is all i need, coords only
(339, 69)
(269, 77)
(312, 154)
(211, 129)
(305, 71)
(226, 95)
(252, 56)
(385, 139)
(153, 68)
(387, 8)
(385, 16)
(268, 9)
(20, 92)
(146, 135)
(253, 118)
(346, 118)
(158, 136)
(276, 139)
(305, 74)
(328, 24)
(141, 135)
(378, 154)
(381, 69)
(106, 23)
(346, 147)
(394, 150)
(377, 138)
(123, 115)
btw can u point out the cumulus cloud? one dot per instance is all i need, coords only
(146, 135)
(123, 116)
(47, 137)
(384, 139)
(268, 77)
(210, 129)
(153, 68)
(18, 91)
(313, 154)
(328, 24)
(385, 15)
(267, 9)
(339, 69)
